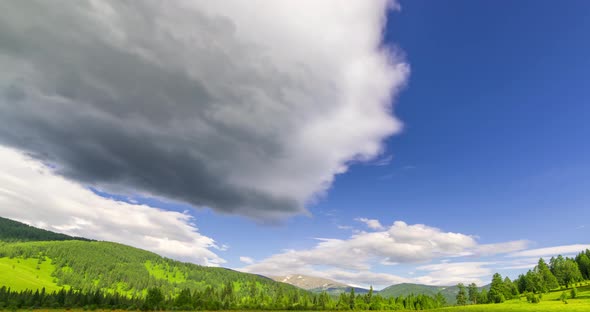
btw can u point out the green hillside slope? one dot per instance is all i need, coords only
(405, 289)
(91, 266)
(56, 260)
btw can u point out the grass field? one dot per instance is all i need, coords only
(573, 306)
(579, 306)
(550, 302)
(23, 274)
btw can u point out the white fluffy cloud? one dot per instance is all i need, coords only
(505, 247)
(32, 193)
(247, 107)
(352, 260)
(246, 260)
(551, 251)
(518, 263)
(452, 273)
(371, 223)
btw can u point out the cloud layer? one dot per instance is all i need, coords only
(32, 193)
(352, 260)
(247, 107)
(552, 251)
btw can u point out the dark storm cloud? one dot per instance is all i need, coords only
(175, 101)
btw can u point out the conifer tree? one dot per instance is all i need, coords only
(496, 293)
(473, 293)
(461, 295)
(549, 280)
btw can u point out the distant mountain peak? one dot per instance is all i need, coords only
(308, 282)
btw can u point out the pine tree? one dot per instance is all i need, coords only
(473, 293)
(548, 279)
(583, 261)
(154, 299)
(496, 293)
(440, 300)
(369, 296)
(461, 295)
(483, 297)
(351, 299)
(534, 282)
(509, 289)
(570, 272)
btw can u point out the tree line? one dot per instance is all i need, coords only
(560, 272)
(210, 299)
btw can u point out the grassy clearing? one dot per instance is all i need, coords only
(550, 302)
(23, 274)
(583, 292)
(576, 305)
(163, 271)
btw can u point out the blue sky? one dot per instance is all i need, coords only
(495, 121)
(494, 143)
(493, 146)
(496, 116)
(495, 138)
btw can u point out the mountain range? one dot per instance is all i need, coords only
(318, 284)
(404, 289)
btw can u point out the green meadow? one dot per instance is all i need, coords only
(550, 302)
(30, 273)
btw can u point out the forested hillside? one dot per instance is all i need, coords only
(31, 258)
(92, 266)
(560, 273)
(13, 231)
(335, 291)
(405, 289)
(59, 271)
(108, 268)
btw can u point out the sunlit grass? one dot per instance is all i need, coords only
(23, 274)
(549, 302)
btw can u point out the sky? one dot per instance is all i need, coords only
(370, 142)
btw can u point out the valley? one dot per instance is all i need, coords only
(42, 269)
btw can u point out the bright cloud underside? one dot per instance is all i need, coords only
(32, 193)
